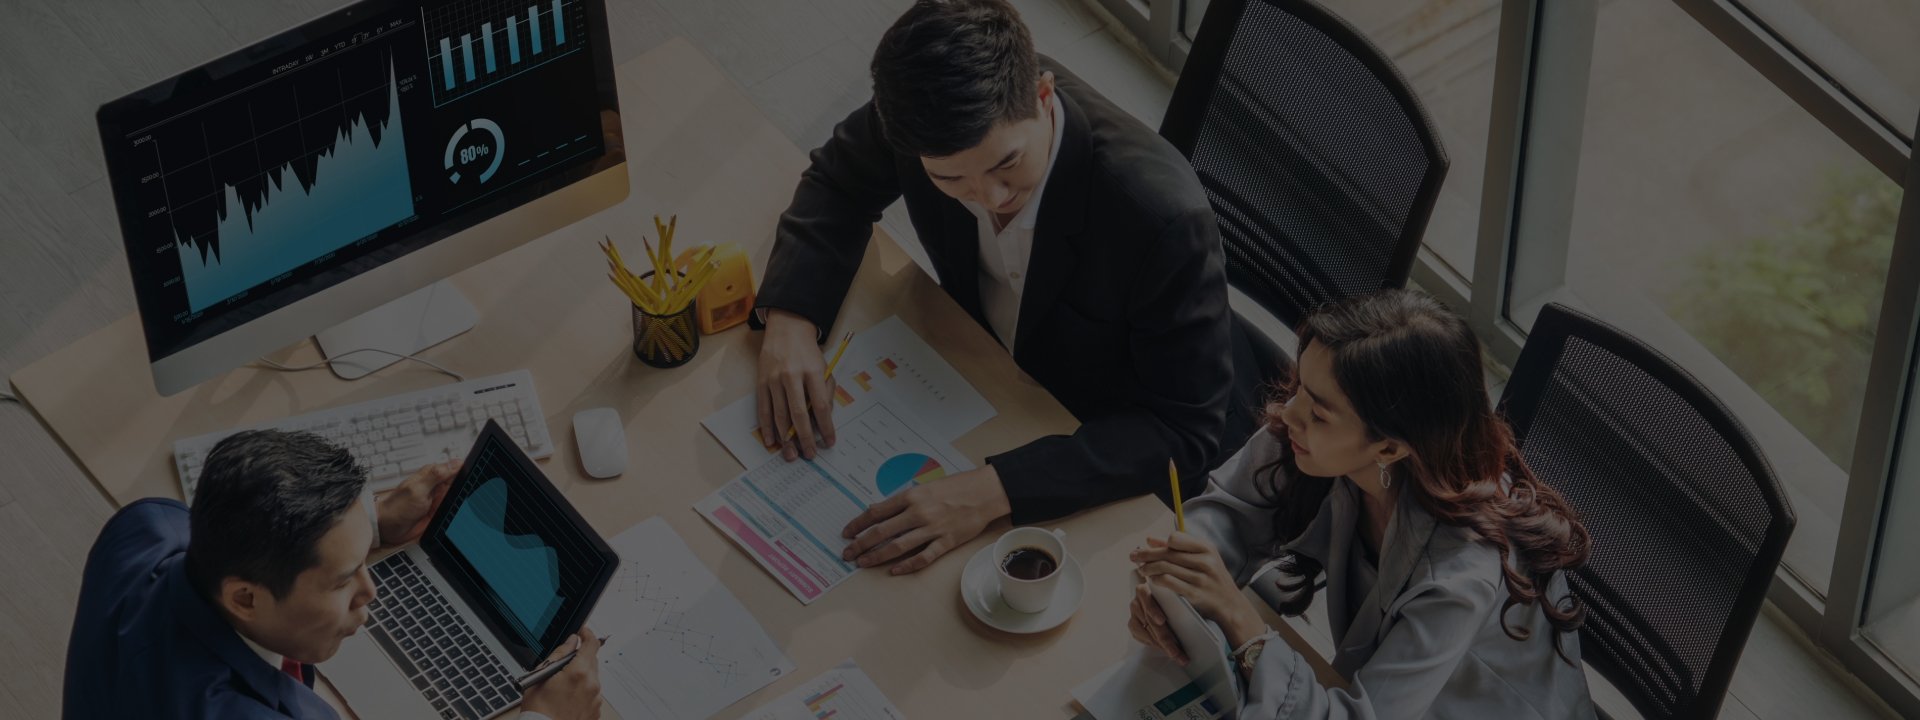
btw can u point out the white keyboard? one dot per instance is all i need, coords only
(393, 436)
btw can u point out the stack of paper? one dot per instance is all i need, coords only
(681, 645)
(843, 693)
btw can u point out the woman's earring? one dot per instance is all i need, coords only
(1386, 480)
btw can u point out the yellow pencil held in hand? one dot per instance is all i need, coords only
(1179, 513)
(793, 430)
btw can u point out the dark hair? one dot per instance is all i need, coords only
(264, 500)
(1412, 369)
(948, 70)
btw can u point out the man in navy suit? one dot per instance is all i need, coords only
(219, 612)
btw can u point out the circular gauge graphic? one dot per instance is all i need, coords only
(475, 151)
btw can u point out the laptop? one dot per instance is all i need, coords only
(505, 572)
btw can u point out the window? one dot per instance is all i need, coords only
(1892, 618)
(1716, 178)
(1867, 46)
(1689, 202)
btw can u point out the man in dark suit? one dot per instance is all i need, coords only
(219, 612)
(1069, 230)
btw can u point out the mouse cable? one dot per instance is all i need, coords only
(328, 363)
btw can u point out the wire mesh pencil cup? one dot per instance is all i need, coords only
(666, 341)
(663, 336)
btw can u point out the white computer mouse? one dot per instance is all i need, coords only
(602, 440)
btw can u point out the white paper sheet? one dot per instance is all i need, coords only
(843, 693)
(788, 515)
(887, 356)
(681, 644)
(1148, 685)
(1132, 689)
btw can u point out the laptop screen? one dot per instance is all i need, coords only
(516, 550)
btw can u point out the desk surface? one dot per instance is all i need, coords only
(697, 147)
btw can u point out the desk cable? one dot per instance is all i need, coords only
(328, 363)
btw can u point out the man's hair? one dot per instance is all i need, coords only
(264, 500)
(948, 70)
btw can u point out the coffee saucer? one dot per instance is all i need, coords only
(980, 589)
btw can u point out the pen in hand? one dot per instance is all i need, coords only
(795, 429)
(1179, 513)
(540, 674)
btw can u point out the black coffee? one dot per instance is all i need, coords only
(1029, 563)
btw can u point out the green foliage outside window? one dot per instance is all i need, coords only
(1794, 312)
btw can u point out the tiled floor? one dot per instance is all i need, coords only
(61, 273)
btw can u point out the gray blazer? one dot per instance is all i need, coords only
(1426, 642)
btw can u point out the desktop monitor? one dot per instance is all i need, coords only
(326, 180)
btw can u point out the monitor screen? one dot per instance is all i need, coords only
(516, 550)
(287, 167)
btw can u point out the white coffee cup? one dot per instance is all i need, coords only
(1022, 594)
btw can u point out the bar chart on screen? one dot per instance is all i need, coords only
(475, 44)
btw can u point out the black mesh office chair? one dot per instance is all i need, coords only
(1321, 164)
(1688, 520)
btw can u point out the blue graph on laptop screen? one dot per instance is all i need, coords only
(522, 570)
(518, 551)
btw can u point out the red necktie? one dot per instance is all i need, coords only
(291, 667)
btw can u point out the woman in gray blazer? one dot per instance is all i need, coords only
(1383, 465)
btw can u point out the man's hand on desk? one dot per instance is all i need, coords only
(793, 384)
(404, 511)
(926, 521)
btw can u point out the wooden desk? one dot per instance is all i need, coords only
(698, 148)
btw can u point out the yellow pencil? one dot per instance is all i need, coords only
(1179, 514)
(659, 271)
(692, 287)
(793, 430)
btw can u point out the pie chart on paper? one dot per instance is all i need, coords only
(911, 468)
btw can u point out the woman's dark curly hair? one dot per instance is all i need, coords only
(1412, 369)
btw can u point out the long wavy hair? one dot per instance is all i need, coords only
(1412, 369)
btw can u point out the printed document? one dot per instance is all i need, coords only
(843, 693)
(788, 515)
(680, 645)
(886, 357)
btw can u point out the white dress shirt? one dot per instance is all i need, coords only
(273, 659)
(1004, 253)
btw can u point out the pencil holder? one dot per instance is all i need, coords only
(666, 341)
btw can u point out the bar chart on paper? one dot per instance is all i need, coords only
(475, 44)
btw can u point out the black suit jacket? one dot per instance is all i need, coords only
(1124, 315)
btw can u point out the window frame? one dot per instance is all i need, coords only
(1537, 45)
(1534, 45)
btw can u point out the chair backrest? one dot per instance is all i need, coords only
(1687, 518)
(1321, 163)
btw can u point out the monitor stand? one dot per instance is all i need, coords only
(414, 322)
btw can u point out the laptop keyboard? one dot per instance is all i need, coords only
(437, 651)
